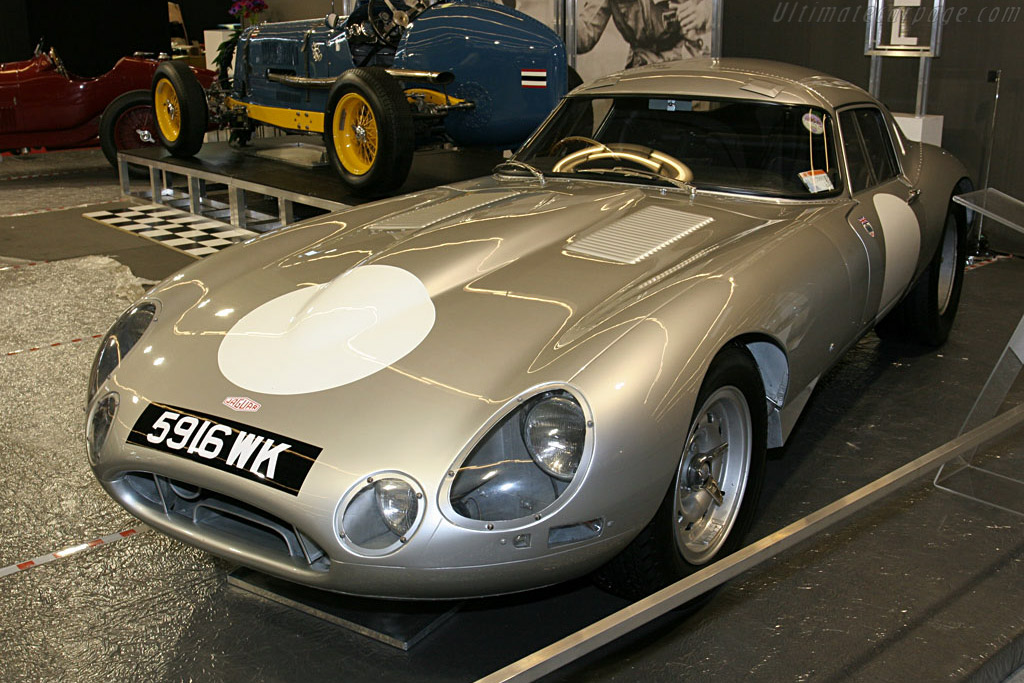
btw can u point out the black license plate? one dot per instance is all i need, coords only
(262, 456)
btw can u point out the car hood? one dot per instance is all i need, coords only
(464, 297)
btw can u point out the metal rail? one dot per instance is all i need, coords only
(195, 195)
(600, 633)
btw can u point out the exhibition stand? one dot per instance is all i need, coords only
(274, 181)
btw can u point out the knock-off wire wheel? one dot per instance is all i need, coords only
(179, 104)
(356, 139)
(368, 131)
(168, 109)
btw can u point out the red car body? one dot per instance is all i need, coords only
(42, 105)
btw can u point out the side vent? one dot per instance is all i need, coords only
(639, 235)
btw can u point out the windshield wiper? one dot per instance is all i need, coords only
(639, 173)
(515, 163)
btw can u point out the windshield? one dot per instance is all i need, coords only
(727, 145)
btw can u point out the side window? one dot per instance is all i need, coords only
(857, 163)
(881, 155)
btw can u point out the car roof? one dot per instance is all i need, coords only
(752, 79)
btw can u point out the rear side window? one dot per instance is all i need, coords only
(856, 162)
(869, 153)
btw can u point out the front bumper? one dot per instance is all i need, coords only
(294, 537)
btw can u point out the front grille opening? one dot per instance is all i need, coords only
(186, 503)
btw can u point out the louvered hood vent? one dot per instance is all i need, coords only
(639, 235)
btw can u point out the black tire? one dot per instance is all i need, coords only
(371, 162)
(669, 547)
(179, 104)
(927, 313)
(121, 122)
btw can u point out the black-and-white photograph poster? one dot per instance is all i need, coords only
(612, 35)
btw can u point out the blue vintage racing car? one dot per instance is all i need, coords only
(378, 84)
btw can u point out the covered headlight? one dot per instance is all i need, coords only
(397, 504)
(380, 514)
(525, 463)
(98, 426)
(125, 333)
(554, 429)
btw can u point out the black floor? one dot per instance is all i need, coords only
(922, 586)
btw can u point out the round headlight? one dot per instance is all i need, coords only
(128, 329)
(98, 426)
(554, 431)
(397, 504)
(380, 514)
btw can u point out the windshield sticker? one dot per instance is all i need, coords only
(670, 105)
(817, 181)
(812, 122)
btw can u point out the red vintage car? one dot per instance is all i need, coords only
(43, 105)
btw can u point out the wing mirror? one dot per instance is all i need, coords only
(332, 20)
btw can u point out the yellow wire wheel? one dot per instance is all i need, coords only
(180, 109)
(355, 133)
(368, 131)
(168, 109)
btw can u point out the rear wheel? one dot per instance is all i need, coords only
(179, 104)
(926, 315)
(127, 123)
(710, 505)
(368, 131)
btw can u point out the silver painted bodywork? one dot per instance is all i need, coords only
(520, 306)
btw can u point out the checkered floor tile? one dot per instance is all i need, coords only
(194, 235)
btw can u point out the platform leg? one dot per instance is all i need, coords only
(155, 184)
(123, 177)
(285, 211)
(196, 186)
(236, 197)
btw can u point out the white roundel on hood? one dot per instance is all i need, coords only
(328, 335)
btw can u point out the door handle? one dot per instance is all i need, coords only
(912, 196)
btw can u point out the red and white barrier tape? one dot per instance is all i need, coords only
(71, 550)
(16, 266)
(50, 174)
(981, 263)
(50, 346)
(33, 212)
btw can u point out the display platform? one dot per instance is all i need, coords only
(398, 624)
(255, 187)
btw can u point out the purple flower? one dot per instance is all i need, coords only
(247, 8)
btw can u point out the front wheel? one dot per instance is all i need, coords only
(712, 499)
(127, 123)
(926, 315)
(179, 104)
(368, 131)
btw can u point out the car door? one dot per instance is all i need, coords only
(885, 215)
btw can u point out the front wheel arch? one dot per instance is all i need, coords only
(653, 559)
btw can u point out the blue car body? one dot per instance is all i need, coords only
(509, 68)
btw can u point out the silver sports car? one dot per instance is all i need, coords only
(575, 364)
